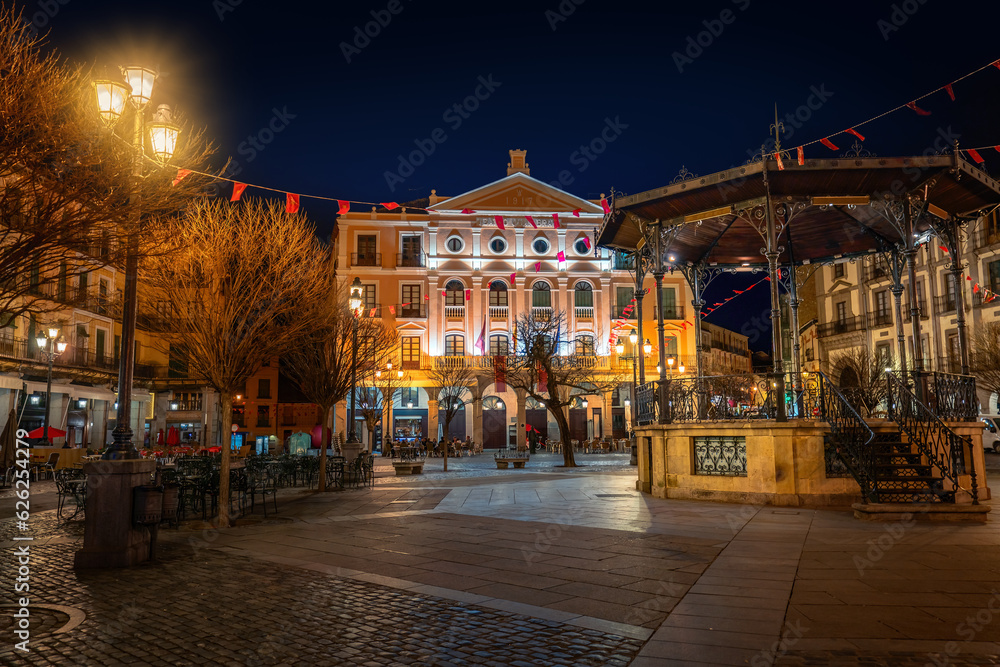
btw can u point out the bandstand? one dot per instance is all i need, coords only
(794, 438)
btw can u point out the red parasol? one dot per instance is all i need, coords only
(40, 432)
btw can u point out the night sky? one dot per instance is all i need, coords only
(558, 74)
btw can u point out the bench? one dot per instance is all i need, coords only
(408, 467)
(504, 461)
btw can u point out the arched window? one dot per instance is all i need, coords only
(454, 293)
(454, 345)
(498, 293)
(498, 345)
(533, 404)
(585, 346)
(493, 403)
(583, 295)
(541, 295)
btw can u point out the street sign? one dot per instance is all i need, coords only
(236, 428)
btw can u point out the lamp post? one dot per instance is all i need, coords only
(389, 393)
(112, 97)
(48, 346)
(355, 305)
(620, 349)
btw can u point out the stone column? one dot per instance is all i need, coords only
(522, 418)
(109, 538)
(432, 413)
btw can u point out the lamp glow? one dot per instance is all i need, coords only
(140, 79)
(633, 337)
(41, 340)
(647, 347)
(399, 374)
(53, 332)
(111, 96)
(61, 346)
(620, 346)
(355, 301)
(163, 134)
(680, 369)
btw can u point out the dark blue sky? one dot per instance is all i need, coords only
(562, 75)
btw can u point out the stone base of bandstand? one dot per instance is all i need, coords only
(110, 539)
(785, 465)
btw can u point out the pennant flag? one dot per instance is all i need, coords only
(344, 206)
(500, 372)
(802, 156)
(499, 221)
(576, 212)
(976, 156)
(969, 278)
(531, 221)
(555, 220)
(855, 133)
(586, 242)
(781, 165)
(604, 205)
(527, 428)
(181, 175)
(829, 144)
(392, 310)
(512, 276)
(372, 314)
(738, 291)
(481, 341)
(427, 296)
(996, 64)
(403, 305)
(444, 292)
(920, 112)
(561, 256)
(291, 203)
(389, 205)
(943, 249)
(467, 211)
(538, 267)
(951, 92)
(238, 189)
(468, 294)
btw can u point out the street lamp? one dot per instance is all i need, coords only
(112, 96)
(45, 347)
(634, 357)
(355, 305)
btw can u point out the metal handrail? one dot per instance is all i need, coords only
(930, 435)
(852, 436)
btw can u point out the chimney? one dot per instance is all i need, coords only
(517, 162)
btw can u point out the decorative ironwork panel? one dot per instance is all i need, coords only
(834, 464)
(720, 455)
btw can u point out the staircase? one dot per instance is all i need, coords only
(902, 475)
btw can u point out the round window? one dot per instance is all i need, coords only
(498, 244)
(454, 244)
(581, 247)
(540, 246)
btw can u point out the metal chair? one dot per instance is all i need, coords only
(48, 467)
(71, 489)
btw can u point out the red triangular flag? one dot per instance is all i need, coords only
(468, 294)
(499, 220)
(372, 314)
(802, 156)
(975, 288)
(561, 256)
(538, 267)
(604, 205)
(512, 277)
(855, 133)
(344, 206)
(444, 292)
(467, 211)
(555, 220)
(943, 249)
(181, 174)
(427, 296)
(291, 203)
(238, 189)
(969, 278)
(829, 144)
(389, 205)
(920, 112)
(576, 212)
(976, 156)
(781, 165)
(392, 309)
(586, 242)
(951, 92)
(996, 64)
(531, 221)
(997, 149)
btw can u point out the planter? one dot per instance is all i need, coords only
(147, 505)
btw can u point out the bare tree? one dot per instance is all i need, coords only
(320, 361)
(986, 357)
(236, 285)
(861, 377)
(542, 371)
(452, 381)
(69, 198)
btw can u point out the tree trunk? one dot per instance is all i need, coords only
(206, 433)
(226, 406)
(569, 460)
(447, 430)
(324, 433)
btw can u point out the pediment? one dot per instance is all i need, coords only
(411, 327)
(517, 192)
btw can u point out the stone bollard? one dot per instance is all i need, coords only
(109, 538)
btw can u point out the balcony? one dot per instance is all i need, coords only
(498, 313)
(670, 312)
(541, 313)
(583, 312)
(413, 311)
(980, 301)
(846, 325)
(876, 272)
(921, 308)
(184, 406)
(618, 311)
(454, 312)
(881, 319)
(945, 303)
(366, 259)
(411, 259)
(987, 237)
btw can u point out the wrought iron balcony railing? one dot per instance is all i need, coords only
(945, 303)
(411, 259)
(881, 318)
(623, 311)
(838, 327)
(366, 259)
(921, 308)
(414, 311)
(670, 312)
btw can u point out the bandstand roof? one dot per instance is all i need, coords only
(837, 219)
